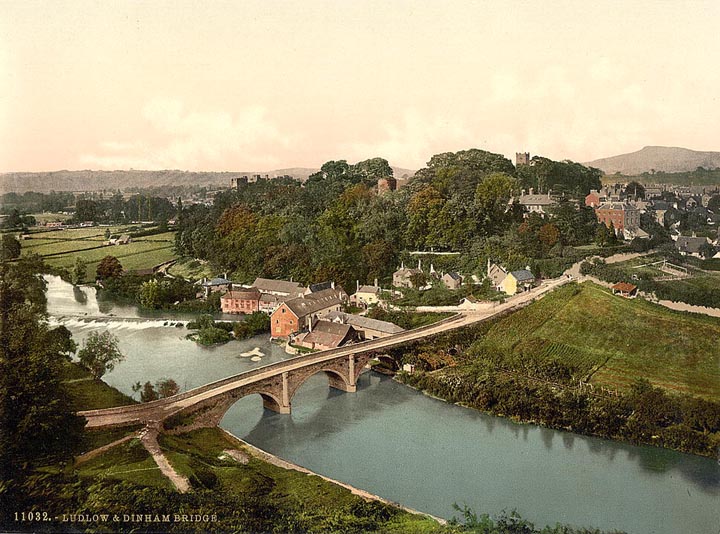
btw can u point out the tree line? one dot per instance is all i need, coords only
(338, 226)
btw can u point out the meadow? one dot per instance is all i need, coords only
(59, 248)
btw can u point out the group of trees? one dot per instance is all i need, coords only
(336, 225)
(35, 418)
(166, 387)
(116, 209)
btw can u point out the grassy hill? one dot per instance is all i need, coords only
(612, 341)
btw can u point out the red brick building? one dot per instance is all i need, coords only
(621, 215)
(241, 301)
(296, 315)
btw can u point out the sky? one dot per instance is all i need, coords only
(262, 85)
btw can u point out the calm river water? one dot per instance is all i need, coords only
(418, 451)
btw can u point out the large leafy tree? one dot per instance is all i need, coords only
(36, 423)
(100, 353)
(109, 267)
(9, 247)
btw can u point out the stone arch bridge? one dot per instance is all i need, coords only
(276, 383)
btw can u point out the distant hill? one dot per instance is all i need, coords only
(658, 158)
(87, 180)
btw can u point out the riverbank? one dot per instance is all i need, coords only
(535, 366)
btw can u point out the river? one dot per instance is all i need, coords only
(421, 452)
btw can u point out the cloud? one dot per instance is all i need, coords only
(177, 138)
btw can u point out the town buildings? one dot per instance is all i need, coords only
(618, 215)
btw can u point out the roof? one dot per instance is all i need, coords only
(454, 276)
(327, 333)
(523, 275)
(267, 285)
(536, 200)
(360, 322)
(320, 287)
(368, 289)
(313, 302)
(217, 282)
(622, 206)
(660, 205)
(244, 294)
(406, 271)
(624, 287)
(690, 244)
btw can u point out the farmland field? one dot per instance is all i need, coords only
(613, 340)
(61, 247)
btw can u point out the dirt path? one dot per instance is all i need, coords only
(96, 452)
(148, 437)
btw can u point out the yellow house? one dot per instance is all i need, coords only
(366, 295)
(517, 281)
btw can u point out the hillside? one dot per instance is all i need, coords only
(89, 180)
(615, 340)
(658, 158)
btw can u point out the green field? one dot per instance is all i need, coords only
(614, 341)
(192, 269)
(61, 247)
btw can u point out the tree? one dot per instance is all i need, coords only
(167, 387)
(706, 250)
(77, 275)
(148, 393)
(100, 353)
(9, 248)
(635, 190)
(36, 422)
(150, 294)
(109, 267)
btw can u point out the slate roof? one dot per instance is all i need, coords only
(360, 322)
(690, 245)
(328, 334)
(267, 285)
(369, 289)
(523, 275)
(535, 200)
(313, 302)
(454, 276)
(217, 282)
(320, 287)
(623, 206)
(243, 294)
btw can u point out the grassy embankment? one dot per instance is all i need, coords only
(245, 496)
(613, 340)
(658, 370)
(60, 248)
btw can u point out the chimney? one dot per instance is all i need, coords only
(488, 267)
(376, 283)
(532, 191)
(332, 285)
(420, 265)
(357, 285)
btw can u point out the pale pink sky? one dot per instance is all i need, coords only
(258, 85)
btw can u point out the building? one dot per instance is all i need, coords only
(624, 290)
(241, 301)
(366, 295)
(690, 245)
(533, 203)
(385, 185)
(297, 314)
(522, 158)
(620, 215)
(279, 288)
(595, 198)
(236, 181)
(326, 335)
(518, 281)
(216, 284)
(366, 327)
(403, 276)
(452, 280)
(496, 273)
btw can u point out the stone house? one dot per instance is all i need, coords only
(326, 335)
(366, 327)
(452, 280)
(620, 215)
(403, 276)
